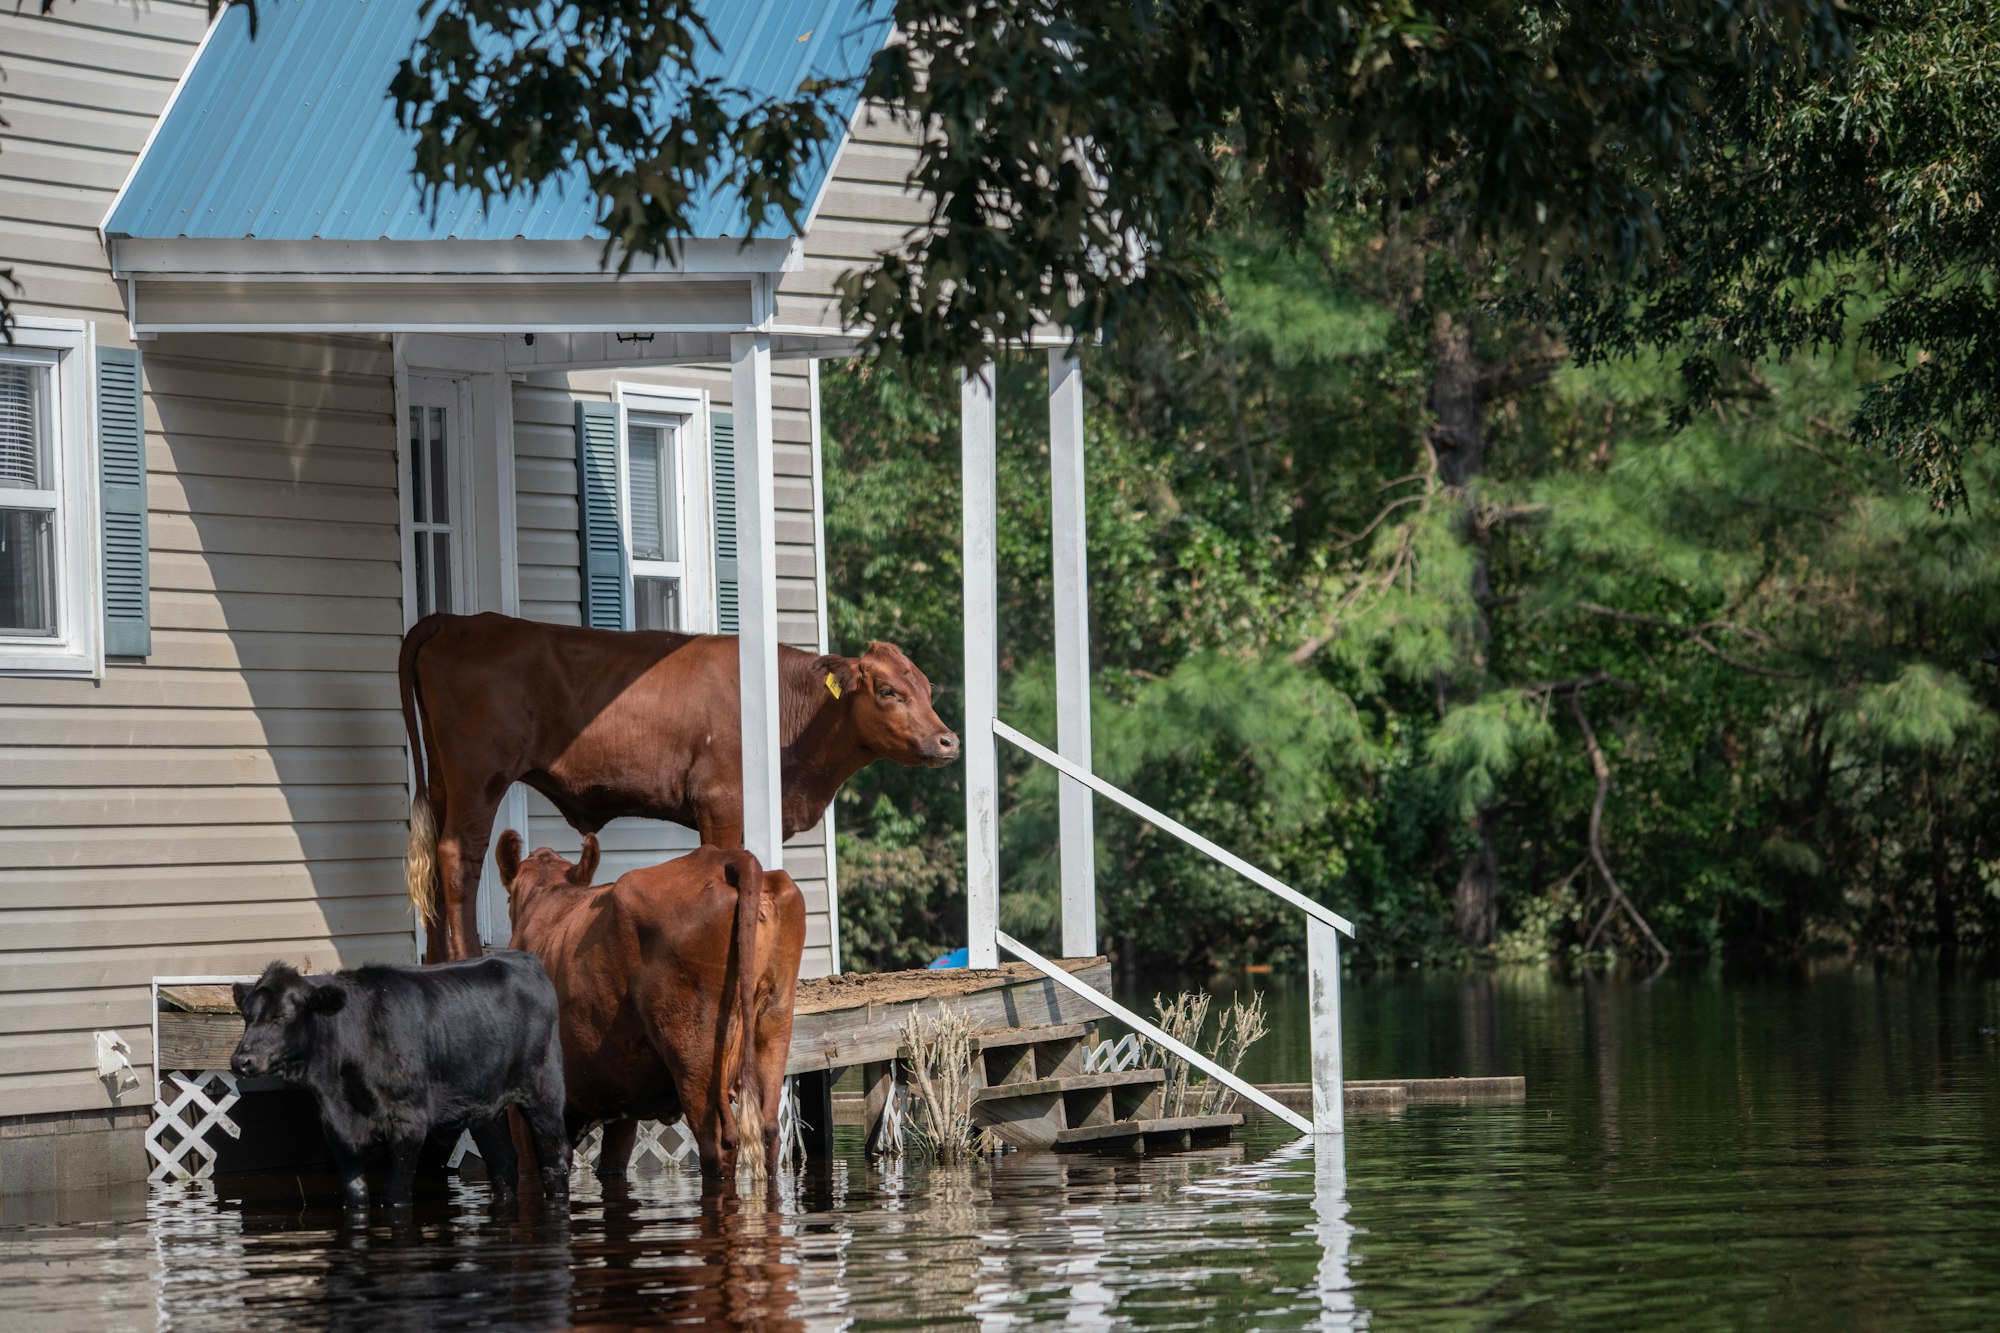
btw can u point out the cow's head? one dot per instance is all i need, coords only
(281, 1012)
(527, 876)
(889, 703)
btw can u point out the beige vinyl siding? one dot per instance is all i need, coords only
(546, 518)
(239, 796)
(82, 89)
(866, 211)
(545, 514)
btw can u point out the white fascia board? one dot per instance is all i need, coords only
(133, 256)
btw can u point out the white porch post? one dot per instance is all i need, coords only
(757, 587)
(1072, 631)
(1323, 1005)
(982, 674)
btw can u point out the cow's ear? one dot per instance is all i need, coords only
(585, 869)
(326, 1000)
(507, 858)
(836, 675)
(241, 990)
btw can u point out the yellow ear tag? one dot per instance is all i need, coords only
(832, 685)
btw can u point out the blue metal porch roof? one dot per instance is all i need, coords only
(291, 135)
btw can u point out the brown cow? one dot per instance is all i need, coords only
(644, 971)
(609, 724)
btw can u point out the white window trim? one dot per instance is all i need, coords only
(696, 494)
(78, 650)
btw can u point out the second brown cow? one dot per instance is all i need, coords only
(675, 987)
(608, 725)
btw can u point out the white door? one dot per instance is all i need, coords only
(443, 517)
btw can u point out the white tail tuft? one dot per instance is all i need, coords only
(420, 859)
(750, 1132)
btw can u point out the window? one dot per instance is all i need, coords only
(48, 511)
(664, 470)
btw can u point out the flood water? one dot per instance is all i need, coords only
(1816, 1149)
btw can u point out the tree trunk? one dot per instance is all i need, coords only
(1475, 904)
(1944, 909)
(1458, 438)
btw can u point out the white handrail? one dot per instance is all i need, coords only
(1175, 827)
(1249, 1090)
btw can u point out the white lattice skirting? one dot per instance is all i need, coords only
(1111, 1057)
(192, 1104)
(195, 1103)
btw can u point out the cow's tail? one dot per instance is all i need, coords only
(420, 867)
(744, 872)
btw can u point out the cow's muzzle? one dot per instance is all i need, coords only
(248, 1066)
(942, 750)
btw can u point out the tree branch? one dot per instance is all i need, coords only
(1602, 768)
(1697, 635)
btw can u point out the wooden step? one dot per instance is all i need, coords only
(1162, 1134)
(1043, 1087)
(1029, 1055)
(1030, 1114)
(991, 1041)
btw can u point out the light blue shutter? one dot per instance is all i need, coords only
(121, 469)
(722, 449)
(606, 585)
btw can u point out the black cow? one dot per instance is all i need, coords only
(393, 1053)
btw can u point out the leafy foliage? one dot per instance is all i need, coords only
(1854, 195)
(1079, 157)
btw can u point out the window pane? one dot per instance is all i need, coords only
(440, 481)
(423, 574)
(648, 541)
(656, 604)
(419, 502)
(24, 421)
(27, 573)
(670, 511)
(441, 570)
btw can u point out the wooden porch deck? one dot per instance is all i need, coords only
(840, 1021)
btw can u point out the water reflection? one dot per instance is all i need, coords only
(1338, 1307)
(1176, 1241)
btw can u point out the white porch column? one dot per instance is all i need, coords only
(1072, 631)
(1323, 1005)
(757, 588)
(982, 671)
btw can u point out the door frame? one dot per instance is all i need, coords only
(484, 488)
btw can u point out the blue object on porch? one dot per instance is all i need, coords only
(956, 958)
(290, 135)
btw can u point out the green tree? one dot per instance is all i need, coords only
(1849, 196)
(1079, 156)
